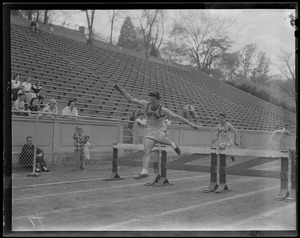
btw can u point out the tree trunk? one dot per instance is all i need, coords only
(46, 17)
(29, 15)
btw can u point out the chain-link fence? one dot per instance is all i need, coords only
(41, 141)
(58, 145)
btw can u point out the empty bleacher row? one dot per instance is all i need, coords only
(112, 75)
(70, 69)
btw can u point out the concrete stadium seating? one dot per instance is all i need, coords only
(70, 69)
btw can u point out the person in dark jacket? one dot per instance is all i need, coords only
(27, 156)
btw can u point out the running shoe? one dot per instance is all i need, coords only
(177, 150)
(140, 176)
(44, 169)
(37, 170)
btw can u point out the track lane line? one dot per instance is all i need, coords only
(178, 210)
(99, 189)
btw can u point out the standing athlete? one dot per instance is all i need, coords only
(156, 130)
(223, 134)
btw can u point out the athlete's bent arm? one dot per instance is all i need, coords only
(235, 136)
(168, 112)
(129, 97)
(217, 137)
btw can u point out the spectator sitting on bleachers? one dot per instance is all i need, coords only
(189, 111)
(15, 87)
(70, 110)
(26, 88)
(51, 109)
(34, 107)
(19, 106)
(36, 88)
(167, 121)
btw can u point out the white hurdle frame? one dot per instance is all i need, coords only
(159, 179)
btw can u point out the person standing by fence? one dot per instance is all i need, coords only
(139, 128)
(86, 147)
(78, 144)
(275, 138)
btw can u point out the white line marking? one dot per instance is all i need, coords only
(143, 217)
(99, 189)
(79, 181)
(31, 222)
(102, 204)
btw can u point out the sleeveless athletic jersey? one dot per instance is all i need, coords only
(224, 132)
(155, 120)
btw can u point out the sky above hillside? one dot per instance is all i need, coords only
(269, 29)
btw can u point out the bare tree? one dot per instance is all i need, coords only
(203, 35)
(113, 15)
(46, 16)
(287, 70)
(147, 20)
(90, 20)
(246, 56)
(158, 34)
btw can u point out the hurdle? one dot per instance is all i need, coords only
(116, 146)
(156, 179)
(294, 167)
(223, 170)
(162, 177)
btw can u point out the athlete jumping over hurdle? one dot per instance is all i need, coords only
(156, 128)
(224, 130)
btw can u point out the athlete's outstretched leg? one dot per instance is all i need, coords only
(164, 139)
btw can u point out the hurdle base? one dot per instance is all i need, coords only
(113, 177)
(212, 187)
(162, 182)
(291, 197)
(283, 194)
(222, 188)
(153, 179)
(33, 175)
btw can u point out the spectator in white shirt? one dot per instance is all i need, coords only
(26, 88)
(275, 138)
(284, 133)
(15, 87)
(51, 109)
(70, 110)
(167, 121)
